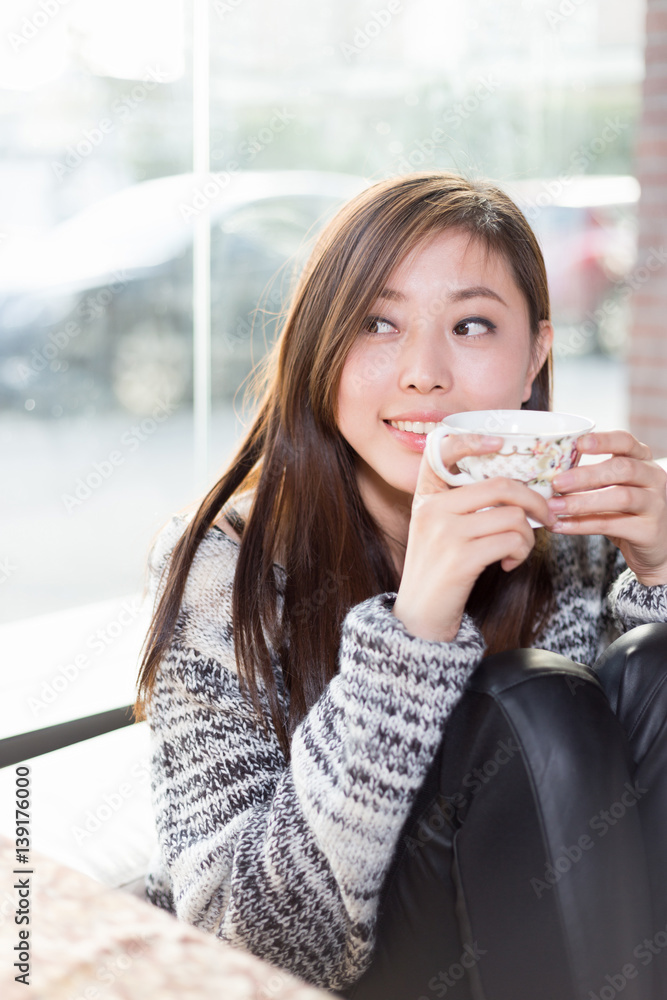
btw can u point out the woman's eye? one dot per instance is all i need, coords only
(374, 324)
(473, 327)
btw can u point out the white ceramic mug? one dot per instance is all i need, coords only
(537, 445)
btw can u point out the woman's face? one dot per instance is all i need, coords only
(449, 332)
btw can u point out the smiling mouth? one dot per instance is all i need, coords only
(413, 426)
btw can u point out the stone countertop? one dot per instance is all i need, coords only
(88, 942)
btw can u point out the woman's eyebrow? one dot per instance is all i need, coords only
(476, 291)
(460, 295)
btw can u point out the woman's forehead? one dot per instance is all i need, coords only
(454, 256)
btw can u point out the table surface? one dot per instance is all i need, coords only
(88, 942)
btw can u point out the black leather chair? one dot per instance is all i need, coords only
(524, 869)
(634, 675)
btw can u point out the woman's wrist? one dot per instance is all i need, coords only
(654, 579)
(422, 627)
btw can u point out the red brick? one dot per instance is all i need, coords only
(649, 334)
(644, 333)
(651, 236)
(651, 242)
(644, 299)
(655, 39)
(647, 355)
(657, 369)
(653, 115)
(654, 211)
(653, 348)
(656, 82)
(651, 166)
(650, 178)
(656, 20)
(651, 148)
(641, 364)
(649, 389)
(650, 130)
(655, 51)
(647, 346)
(653, 195)
(647, 420)
(650, 433)
(642, 278)
(655, 64)
(651, 410)
(648, 243)
(655, 438)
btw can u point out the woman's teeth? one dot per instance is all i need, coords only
(414, 426)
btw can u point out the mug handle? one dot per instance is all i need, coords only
(434, 458)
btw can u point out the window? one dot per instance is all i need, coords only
(99, 207)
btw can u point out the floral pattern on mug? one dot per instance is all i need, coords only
(535, 465)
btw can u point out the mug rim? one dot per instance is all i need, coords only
(585, 424)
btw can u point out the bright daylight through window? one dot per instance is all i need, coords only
(228, 133)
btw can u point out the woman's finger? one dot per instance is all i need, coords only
(618, 527)
(495, 492)
(497, 520)
(620, 469)
(613, 443)
(607, 500)
(453, 447)
(510, 548)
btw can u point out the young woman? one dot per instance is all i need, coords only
(320, 618)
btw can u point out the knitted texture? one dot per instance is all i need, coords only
(637, 605)
(288, 860)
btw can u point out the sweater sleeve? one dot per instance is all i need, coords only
(634, 604)
(287, 860)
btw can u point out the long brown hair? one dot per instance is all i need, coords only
(307, 510)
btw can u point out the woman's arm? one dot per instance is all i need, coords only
(632, 603)
(288, 860)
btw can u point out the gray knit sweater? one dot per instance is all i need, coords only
(288, 860)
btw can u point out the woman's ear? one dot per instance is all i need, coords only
(541, 347)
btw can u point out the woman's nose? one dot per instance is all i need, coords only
(424, 365)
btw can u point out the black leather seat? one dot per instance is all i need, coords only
(522, 869)
(633, 673)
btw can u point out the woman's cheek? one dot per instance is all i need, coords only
(370, 368)
(495, 383)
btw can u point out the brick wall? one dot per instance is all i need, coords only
(648, 345)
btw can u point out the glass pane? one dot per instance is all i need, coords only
(543, 97)
(307, 105)
(95, 295)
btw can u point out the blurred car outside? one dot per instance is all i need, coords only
(587, 228)
(97, 312)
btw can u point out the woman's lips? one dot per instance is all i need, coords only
(415, 442)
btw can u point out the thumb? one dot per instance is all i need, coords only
(428, 481)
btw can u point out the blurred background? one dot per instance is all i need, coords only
(307, 103)
(136, 137)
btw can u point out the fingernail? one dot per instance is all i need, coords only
(587, 441)
(492, 442)
(563, 480)
(556, 503)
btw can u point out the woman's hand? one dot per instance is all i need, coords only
(624, 498)
(451, 539)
